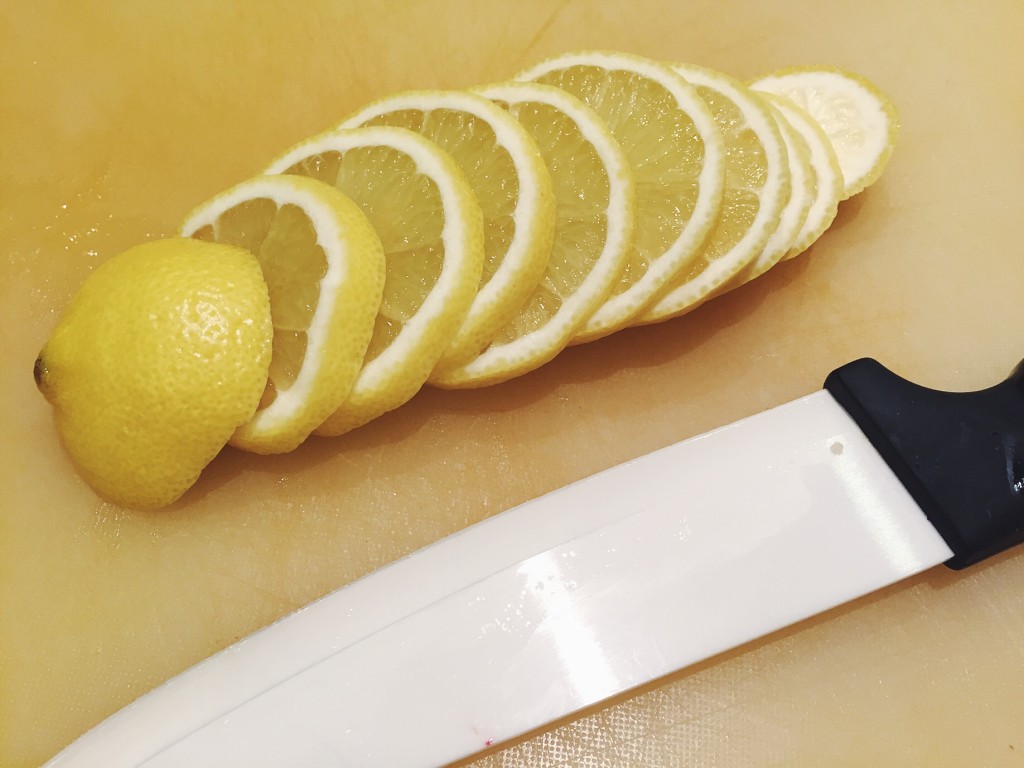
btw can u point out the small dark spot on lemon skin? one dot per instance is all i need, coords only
(40, 374)
(38, 371)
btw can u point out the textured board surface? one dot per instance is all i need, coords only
(118, 118)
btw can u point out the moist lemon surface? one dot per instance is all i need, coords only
(757, 186)
(431, 227)
(324, 266)
(512, 185)
(594, 216)
(676, 153)
(160, 356)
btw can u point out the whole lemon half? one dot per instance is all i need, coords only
(159, 357)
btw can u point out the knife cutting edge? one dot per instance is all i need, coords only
(604, 585)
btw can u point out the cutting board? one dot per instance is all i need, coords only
(117, 118)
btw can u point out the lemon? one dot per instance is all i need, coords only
(802, 185)
(324, 266)
(676, 153)
(827, 188)
(594, 216)
(162, 353)
(423, 208)
(859, 120)
(757, 187)
(511, 183)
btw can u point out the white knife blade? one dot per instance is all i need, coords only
(599, 587)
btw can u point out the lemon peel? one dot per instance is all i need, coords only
(828, 177)
(161, 355)
(757, 186)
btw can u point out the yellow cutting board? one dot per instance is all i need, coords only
(116, 118)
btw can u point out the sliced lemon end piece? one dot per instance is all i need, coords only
(431, 227)
(860, 121)
(676, 153)
(594, 218)
(324, 266)
(507, 174)
(757, 187)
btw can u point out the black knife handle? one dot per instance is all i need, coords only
(959, 454)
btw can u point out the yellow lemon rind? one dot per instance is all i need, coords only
(802, 185)
(828, 177)
(148, 410)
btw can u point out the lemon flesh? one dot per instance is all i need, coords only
(160, 356)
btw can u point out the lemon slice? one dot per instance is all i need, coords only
(324, 267)
(859, 120)
(431, 228)
(508, 176)
(827, 176)
(594, 214)
(676, 152)
(757, 186)
(802, 183)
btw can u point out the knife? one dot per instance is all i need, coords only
(604, 585)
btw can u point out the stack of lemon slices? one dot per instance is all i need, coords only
(452, 238)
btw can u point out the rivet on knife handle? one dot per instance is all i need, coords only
(959, 454)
